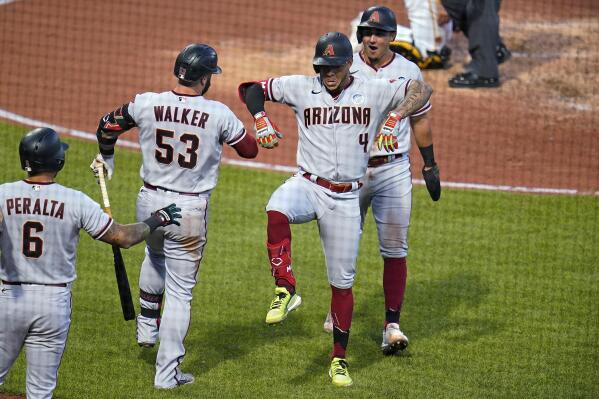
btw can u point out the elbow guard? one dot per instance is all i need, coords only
(111, 126)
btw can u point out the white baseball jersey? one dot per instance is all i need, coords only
(397, 67)
(181, 138)
(39, 231)
(335, 134)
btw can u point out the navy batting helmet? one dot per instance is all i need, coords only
(332, 49)
(195, 61)
(42, 151)
(377, 17)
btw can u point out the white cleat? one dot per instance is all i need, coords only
(327, 326)
(394, 340)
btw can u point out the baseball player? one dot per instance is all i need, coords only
(181, 135)
(424, 42)
(388, 183)
(39, 231)
(338, 116)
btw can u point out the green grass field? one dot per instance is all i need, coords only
(502, 300)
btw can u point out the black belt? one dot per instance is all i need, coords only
(334, 187)
(156, 188)
(22, 283)
(382, 159)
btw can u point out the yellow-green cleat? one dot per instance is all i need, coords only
(283, 303)
(339, 374)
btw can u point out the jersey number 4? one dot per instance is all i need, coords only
(165, 153)
(33, 246)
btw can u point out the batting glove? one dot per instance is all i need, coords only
(432, 180)
(387, 137)
(105, 162)
(164, 217)
(267, 134)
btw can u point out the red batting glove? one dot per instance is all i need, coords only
(267, 134)
(387, 137)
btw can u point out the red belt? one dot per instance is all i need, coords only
(20, 283)
(383, 159)
(334, 187)
(156, 188)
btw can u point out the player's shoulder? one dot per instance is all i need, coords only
(401, 66)
(147, 96)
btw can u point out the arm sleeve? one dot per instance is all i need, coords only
(93, 219)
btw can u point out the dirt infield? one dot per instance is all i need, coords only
(67, 62)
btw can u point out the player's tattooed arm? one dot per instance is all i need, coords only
(111, 126)
(126, 235)
(418, 93)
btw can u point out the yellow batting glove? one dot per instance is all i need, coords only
(387, 136)
(267, 134)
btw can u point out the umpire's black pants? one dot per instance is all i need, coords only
(479, 20)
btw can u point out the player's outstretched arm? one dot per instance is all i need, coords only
(127, 235)
(417, 95)
(247, 147)
(110, 127)
(267, 133)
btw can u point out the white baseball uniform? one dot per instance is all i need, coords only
(388, 182)
(335, 137)
(181, 138)
(39, 233)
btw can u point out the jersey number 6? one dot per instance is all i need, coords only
(32, 246)
(165, 152)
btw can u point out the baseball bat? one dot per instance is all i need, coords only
(119, 265)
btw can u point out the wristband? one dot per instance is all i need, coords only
(428, 155)
(153, 222)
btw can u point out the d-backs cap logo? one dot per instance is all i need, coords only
(374, 17)
(329, 51)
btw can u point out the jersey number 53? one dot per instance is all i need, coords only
(165, 153)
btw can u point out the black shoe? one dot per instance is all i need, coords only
(472, 80)
(502, 53)
(436, 59)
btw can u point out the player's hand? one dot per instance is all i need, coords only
(267, 134)
(105, 162)
(432, 180)
(387, 136)
(168, 215)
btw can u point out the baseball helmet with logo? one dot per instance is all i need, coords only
(41, 150)
(332, 49)
(195, 61)
(377, 17)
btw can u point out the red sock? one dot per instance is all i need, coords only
(342, 307)
(395, 274)
(279, 250)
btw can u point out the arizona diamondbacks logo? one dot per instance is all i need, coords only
(329, 51)
(374, 17)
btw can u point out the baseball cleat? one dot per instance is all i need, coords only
(280, 307)
(393, 339)
(146, 344)
(327, 326)
(339, 374)
(180, 378)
